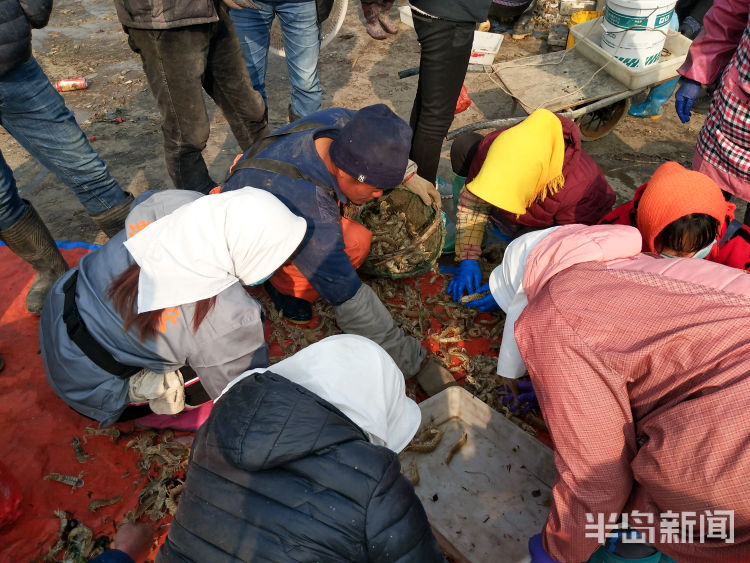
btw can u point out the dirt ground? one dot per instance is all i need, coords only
(84, 39)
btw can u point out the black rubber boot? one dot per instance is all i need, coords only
(523, 26)
(384, 18)
(30, 239)
(374, 29)
(112, 221)
(292, 308)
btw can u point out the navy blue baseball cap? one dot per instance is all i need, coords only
(373, 147)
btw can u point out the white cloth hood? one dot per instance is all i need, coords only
(205, 246)
(533, 259)
(506, 286)
(359, 378)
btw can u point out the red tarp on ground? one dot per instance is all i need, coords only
(37, 428)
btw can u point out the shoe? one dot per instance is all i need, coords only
(189, 420)
(292, 308)
(112, 221)
(433, 378)
(385, 18)
(657, 97)
(374, 29)
(291, 115)
(523, 26)
(30, 239)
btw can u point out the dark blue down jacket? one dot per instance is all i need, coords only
(279, 474)
(16, 20)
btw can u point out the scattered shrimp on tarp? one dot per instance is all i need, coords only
(81, 456)
(96, 504)
(74, 481)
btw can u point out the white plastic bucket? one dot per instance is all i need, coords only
(634, 31)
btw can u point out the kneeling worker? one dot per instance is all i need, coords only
(314, 166)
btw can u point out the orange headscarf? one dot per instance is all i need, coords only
(673, 192)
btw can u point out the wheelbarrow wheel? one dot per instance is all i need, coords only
(598, 123)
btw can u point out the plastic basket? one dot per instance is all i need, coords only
(588, 36)
(420, 252)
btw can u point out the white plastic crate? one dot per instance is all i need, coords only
(404, 12)
(485, 47)
(495, 493)
(587, 40)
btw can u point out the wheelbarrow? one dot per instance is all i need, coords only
(584, 83)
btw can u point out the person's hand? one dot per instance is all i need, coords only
(684, 98)
(536, 550)
(426, 191)
(468, 278)
(521, 399)
(136, 540)
(486, 303)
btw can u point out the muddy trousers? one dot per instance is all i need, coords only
(179, 64)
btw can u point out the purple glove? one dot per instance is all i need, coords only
(467, 279)
(525, 401)
(536, 550)
(684, 98)
(486, 303)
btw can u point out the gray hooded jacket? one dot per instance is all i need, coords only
(229, 340)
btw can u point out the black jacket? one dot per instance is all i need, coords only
(16, 20)
(279, 474)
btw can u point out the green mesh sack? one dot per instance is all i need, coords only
(407, 235)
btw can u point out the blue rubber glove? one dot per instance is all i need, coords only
(525, 401)
(684, 98)
(467, 279)
(486, 303)
(536, 550)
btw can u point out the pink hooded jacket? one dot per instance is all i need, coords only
(527, 259)
(642, 370)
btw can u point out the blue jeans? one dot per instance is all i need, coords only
(301, 34)
(34, 113)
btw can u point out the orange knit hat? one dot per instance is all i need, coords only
(673, 192)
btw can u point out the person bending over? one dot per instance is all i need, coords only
(299, 462)
(530, 176)
(683, 213)
(158, 319)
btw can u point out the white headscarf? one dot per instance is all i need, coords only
(207, 245)
(506, 286)
(360, 379)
